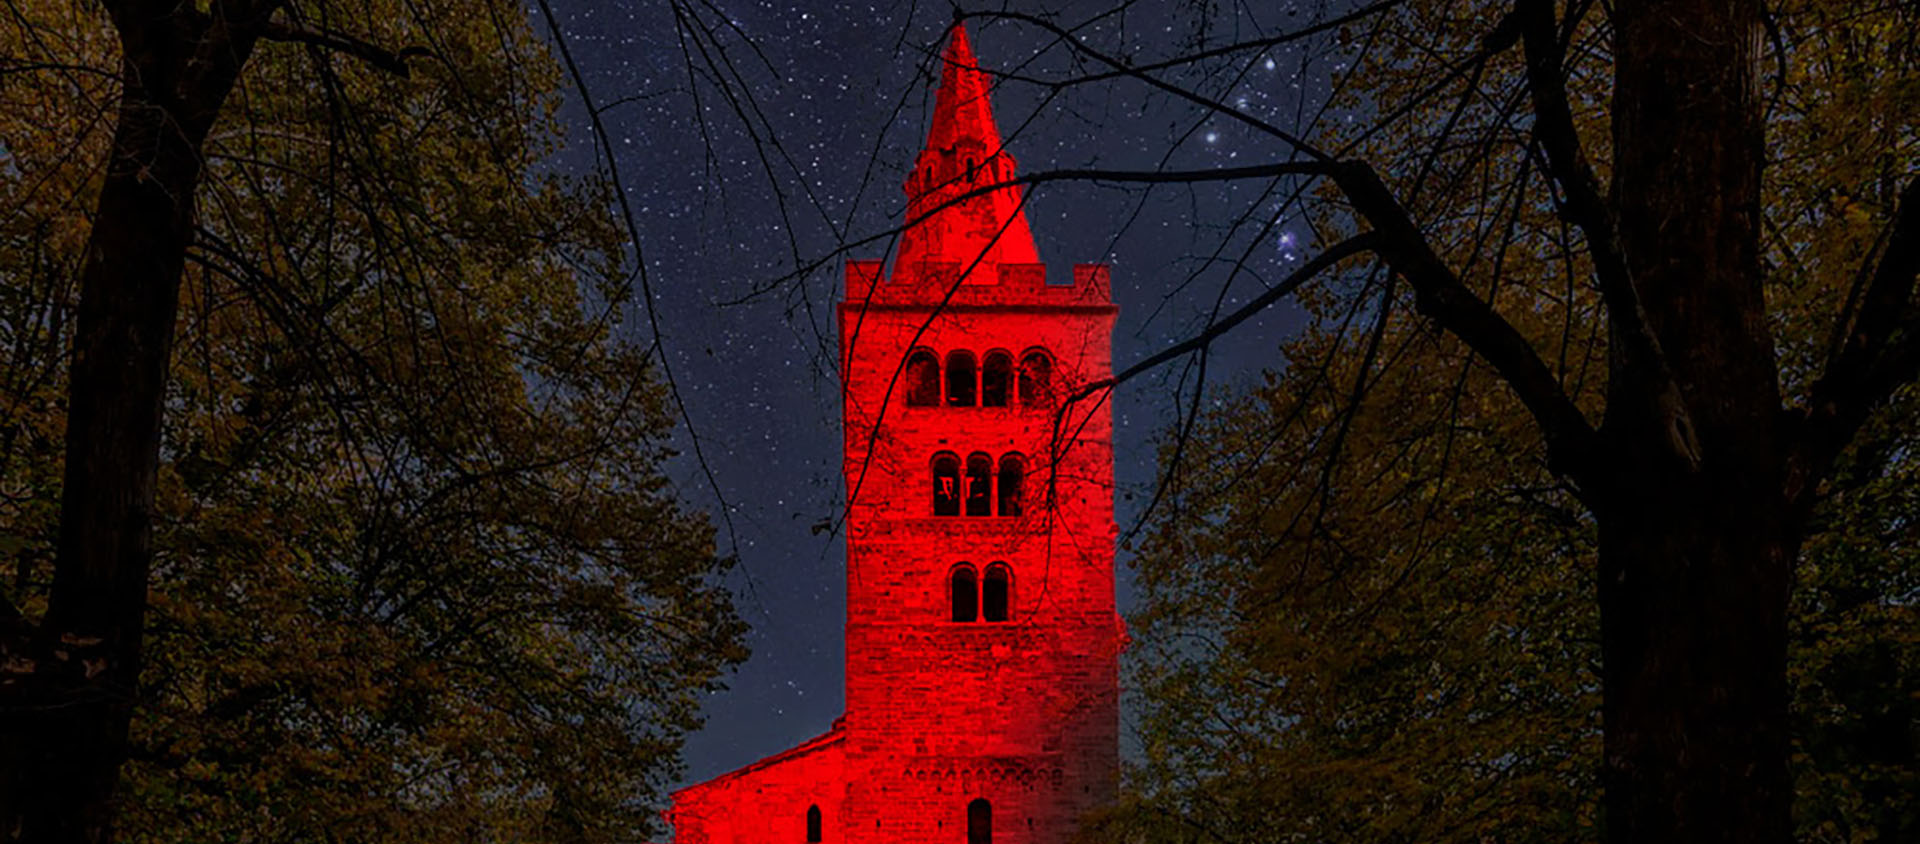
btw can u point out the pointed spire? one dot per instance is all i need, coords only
(963, 108)
(963, 153)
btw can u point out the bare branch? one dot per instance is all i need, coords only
(657, 346)
(1441, 295)
(1212, 174)
(1879, 354)
(1369, 241)
(11, 65)
(373, 54)
(1566, 161)
(1123, 68)
(1639, 348)
(1256, 46)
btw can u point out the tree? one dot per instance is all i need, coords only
(402, 563)
(1393, 638)
(1678, 174)
(1371, 623)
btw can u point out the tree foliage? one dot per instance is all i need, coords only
(1399, 642)
(1373, 606)
(1367, 626)
(417, 572)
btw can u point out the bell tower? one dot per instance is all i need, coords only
(982, 641)
(982, 638)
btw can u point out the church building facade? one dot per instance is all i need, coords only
(982, 638)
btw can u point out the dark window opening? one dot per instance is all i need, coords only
(961, 379)
(1013, 475)
(1036, 379)
(923, 379)
(979, 485)
(996, 377)
(966, 599)
(996, 591)
(813, 823)
(946, 485)
(980, 822)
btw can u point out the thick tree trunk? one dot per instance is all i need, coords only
(1693, 618)
(68, 692)
(1696, 549)
(88, 648)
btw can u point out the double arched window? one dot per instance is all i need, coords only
(992, 381)
(975, 597)
(978, 491)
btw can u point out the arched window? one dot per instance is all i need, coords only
(1013, 476)
(996, 379)
(980, 821)
(996, 593)
(1036, 379)
(961, 379)
(965, 593)
(979, 484)
(946, 484)
(813, 824)
(923, 379)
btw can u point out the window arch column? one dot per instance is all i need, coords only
(979, 484)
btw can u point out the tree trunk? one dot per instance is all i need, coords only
(66, 714)
(1696, 549)
(1693, 626)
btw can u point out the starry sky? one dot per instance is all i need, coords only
(753, 137)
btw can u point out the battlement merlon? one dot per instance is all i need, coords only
(930, 283)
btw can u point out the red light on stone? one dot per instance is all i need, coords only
(982, 641)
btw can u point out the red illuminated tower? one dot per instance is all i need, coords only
(982, 639)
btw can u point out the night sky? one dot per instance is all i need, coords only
(845, 90)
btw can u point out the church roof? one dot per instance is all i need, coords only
(831, 738)
(964, 153)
